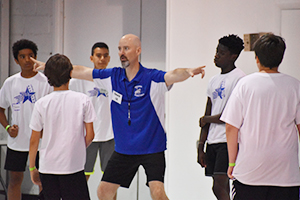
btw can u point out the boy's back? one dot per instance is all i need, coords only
(262, 127)
(62, 114)
(269, 104)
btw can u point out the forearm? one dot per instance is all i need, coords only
(176, 75)
(200, 151)
(3, 119)
(212, 119)
(82, 72)
(181, 74)
(203, 136)
(232, 142)
(33, 148)
(89, 134)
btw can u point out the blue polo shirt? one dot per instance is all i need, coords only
(146, 95)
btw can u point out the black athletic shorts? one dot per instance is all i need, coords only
(121, 168)
(65, 186)
(216, 159)
(241, 191)
(17, 160)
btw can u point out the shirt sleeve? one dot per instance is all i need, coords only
(4, 103)
(233, 111)
(36, 122)
(208, 89)
(158, 81)
(158, 75)
(102, 73)
(298, 114)
(89, 111)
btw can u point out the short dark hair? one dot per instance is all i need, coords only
(100, 45)
(269, 49)
(23, 44)
(58, 69)
(233, 42)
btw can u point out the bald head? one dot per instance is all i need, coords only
(129, 50)
(132, 39)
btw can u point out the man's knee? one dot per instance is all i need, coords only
(157, 190)
(107, 190)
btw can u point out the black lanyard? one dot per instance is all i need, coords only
(129, 101)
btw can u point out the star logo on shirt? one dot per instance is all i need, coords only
(96, 92)
(29, 95)
(219, 92)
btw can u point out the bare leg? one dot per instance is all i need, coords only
(107, 191)
(221, 187)
(157, 190)
(115, 197)
(14, 185)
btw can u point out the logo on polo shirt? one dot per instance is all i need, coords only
(139, 91)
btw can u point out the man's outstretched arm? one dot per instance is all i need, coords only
(181, 74)
(82, 72)
(79, 72)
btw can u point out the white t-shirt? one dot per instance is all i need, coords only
(99, 97)
(265, 108)
(61, 115)
(20, 94)
(219, 89)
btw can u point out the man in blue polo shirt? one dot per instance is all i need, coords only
(137, 96)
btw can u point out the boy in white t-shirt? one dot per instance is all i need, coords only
(19, 93)
(60, 119)
(262, 125)
(104, 137)
(215, 158)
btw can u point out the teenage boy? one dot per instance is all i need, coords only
(220, 86)
(60, 119)
(263, 116)
(19, 93)
(104, 138)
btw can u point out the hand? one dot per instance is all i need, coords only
(196, 71)
(201, 122)
(38, 65)
(35, 177)
(13, 131)
(229, 172)
(201, 158)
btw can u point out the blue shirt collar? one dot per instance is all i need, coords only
(137, 77)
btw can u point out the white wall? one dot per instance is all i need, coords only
(31, 20)
(193, 30)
